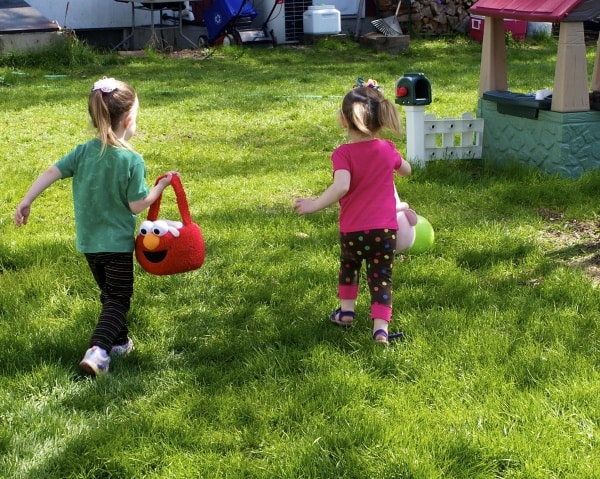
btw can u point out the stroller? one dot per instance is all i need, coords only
(228, 22)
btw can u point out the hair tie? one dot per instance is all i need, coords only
(370, 83)
(105, 85)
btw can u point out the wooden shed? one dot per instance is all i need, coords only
(23, 27)
(559, 130)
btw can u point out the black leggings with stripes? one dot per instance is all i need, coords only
(113, 273)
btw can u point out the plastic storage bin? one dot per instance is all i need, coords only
(518, 28)
(322, 20)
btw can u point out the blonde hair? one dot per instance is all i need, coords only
(107, 109)
(366, 110)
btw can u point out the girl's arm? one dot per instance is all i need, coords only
(43, 181)
(140, 205)
(405, 168)
(340, 186)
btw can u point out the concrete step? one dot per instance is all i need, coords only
(27, 41)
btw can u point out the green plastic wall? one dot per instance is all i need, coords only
(563, 144)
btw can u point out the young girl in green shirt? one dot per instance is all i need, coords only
(109, 189)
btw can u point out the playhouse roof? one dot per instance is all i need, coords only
(539, 10)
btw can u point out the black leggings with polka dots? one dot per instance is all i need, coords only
(376, 248)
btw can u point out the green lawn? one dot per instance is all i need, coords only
(237, 371)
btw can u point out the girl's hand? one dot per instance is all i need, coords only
(304, 206)
(166, 181)
(140, 205)
(22, 214)
(43, 181)
(340, 186)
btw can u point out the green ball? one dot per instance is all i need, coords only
(423, 237)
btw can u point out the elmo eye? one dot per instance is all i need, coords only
(145, 227)
(160, 228)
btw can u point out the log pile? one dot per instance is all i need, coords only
(436, 17)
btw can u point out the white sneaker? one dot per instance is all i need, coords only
(122, 349)
(95, 362)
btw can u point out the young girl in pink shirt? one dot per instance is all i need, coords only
(363, 183)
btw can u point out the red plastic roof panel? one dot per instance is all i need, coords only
(534, 10)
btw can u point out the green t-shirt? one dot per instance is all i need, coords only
(103, 186)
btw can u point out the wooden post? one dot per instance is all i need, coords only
(415, 133)
(492, 75)
(596, 74)
(570, 77)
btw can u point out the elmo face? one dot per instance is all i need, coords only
(157, 238)
(167, 247)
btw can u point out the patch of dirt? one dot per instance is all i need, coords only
(199, 54)
(573, 242)
(212, 52)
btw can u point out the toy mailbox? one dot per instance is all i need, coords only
(413, 89)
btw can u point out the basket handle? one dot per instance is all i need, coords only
(182, 203)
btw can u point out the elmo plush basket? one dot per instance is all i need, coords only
(164, 247)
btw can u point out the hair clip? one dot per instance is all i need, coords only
(370, 83)
(105, 85)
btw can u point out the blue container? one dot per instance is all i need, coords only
(222, 12)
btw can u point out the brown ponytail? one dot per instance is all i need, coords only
(107, 109)
(366, 110)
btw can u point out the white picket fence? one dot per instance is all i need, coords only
(429, 138)
(453, 138)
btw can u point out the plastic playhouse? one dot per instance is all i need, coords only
(552, 130)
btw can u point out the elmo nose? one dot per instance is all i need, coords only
(151, 242)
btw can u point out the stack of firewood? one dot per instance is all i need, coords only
(436, 17)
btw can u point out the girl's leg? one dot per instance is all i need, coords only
(380, 263)
(350, 265)
(114, 274)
